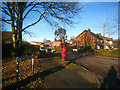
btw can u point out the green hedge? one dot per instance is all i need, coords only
(26, 49)
(107, 52)
(83, 49)
(70, 49)
(7, 50)
(80, 49)
(53, 48)
(57, 49)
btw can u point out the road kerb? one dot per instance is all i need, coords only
(98, 82)
(108, 57)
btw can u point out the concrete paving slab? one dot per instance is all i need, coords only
(67, 78)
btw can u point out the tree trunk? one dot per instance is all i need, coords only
(19, 25)
(14, 31)
(13, 28)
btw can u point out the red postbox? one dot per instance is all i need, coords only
(63, 50)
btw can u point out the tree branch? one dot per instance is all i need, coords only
(28, 6)
(34, 22)
(3, 10)
(6, 21)
(26, 32)
(8, 5)
(4, 3)
(28, 12)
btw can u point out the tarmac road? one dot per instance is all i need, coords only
(106, 69)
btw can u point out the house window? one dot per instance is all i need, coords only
(110, 42)
(54, 44)
(107, 47)
(97, 39)
(112, 46)
(98, 47)
(58, 44)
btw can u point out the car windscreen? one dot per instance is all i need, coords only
(42, 48)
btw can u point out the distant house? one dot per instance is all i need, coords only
(47, 41)
(96, 41)
(41, 45)
(104, 42)
(116, 44)
(46, 45)
(35, 43)
(56, 44)
(7, 37)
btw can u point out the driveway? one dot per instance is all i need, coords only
(106, 69)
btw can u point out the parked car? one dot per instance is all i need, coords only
(48, 50)
(74, 50)
(43, 49)
(53, 51)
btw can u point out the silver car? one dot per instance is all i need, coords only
(43, 49)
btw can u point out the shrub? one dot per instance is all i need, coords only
(28, 49)
(69, 49)
(83, 49)
(24, 50)
(107, 52)
(113, 52)
(7, 50)
(72, 66)
(53, 48)
(58, 49)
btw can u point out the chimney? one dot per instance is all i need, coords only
(99, 34)
(89, 30)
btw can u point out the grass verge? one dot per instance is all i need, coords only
(72, 66)
(107, 52)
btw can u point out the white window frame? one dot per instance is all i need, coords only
(54, 44)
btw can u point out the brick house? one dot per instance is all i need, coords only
(56, 44)
(7, 37)
(46, 45)
(35, 43)
(96, 41)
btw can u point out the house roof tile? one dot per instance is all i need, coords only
(96, 35)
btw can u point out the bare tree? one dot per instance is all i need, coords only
(109, 25)
(72, 39)
(51, 12)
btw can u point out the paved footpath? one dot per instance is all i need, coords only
(71, 78)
